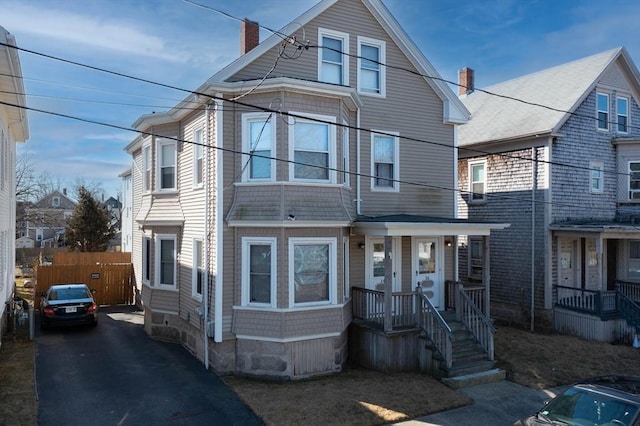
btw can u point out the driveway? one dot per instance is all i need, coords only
(115, 374)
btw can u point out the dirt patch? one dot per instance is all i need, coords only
(18, 405)
(354, 397)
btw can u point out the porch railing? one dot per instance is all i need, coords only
(580, 300)
(476, 322)
(629, 289)
(368, 305)
(475, 291)
(436, 329)
(629, 310)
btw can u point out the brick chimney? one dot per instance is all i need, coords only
(249, 35)
(465, 81)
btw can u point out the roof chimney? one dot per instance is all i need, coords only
(249, 35)
(465, 81)
(64, 191)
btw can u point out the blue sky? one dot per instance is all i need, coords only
(179, 44)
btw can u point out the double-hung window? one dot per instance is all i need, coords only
(384, 162)
(596, 171)
(146, 158)
(259, 142)
(603, 111)
(56, 202)
(476, 257)
(312, 271)
(634, 180)
(146, 260)
(167, 161)
(165, 272)
(198, 272)
(634, 259)
(259, 272)
(198, 158)
(477, 180)
(333, 57)
(371, 71)
(312, 147)
(622, 109)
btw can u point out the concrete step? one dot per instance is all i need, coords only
(472, 379)
(471, 367)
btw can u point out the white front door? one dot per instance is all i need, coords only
(375, 263)
(567, 262)
(427, 266)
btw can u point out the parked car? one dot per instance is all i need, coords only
(608, 400)
(68, 304)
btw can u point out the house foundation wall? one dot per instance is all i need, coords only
(593, 328)
(519, 315)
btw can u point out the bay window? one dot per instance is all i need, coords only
(259, 271)
(312, 271)
(312, 149)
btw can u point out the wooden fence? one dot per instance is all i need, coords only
(109, 274)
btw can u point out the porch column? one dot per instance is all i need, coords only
(486, 274)
(388, 285)
(601, 266)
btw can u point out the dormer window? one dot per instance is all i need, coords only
(333, 59)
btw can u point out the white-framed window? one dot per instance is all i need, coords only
(345, 155)
(385, 161)
(634, 259)
(198, 158)
(477, 180)
(333, 57)
(197, 269)
(371, 72)
(146, 159)
(622, 109)
(312, 271)
(596, 180)
(39, 234)
(602, 110)
(312, 147)
(167, 160)
(634, 180)
(146, 260)
(476, 257)
(55, 202)
(259, 282)
(165, 261)
(259, 140)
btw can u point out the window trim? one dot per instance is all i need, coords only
(326, 120)
(197, 268)
(147, 176)
(198, 155)
(598, 111)
(629, 190)
(473, 240)
(146, 260)
(160, 143)
(247, 242)
(618, 115)
(599, 167)
(333, 273)
(247, 119)
(158, 257)
(396, 161)
(382, 50)
(471, 165)
(344, 38)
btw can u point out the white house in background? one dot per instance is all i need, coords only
(13, 128)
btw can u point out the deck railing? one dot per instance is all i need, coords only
(476, 322)
(629, 289)
(580, 300)
(436, 329)
(475, 291)
(368, 305)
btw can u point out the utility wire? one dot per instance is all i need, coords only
(282, 160)
(289, 114)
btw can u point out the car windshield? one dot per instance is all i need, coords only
(583, 407)
(69, 294)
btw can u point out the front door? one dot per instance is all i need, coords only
(375, 263)
(427, 267)
(567, 262)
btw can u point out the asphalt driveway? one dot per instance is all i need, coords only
(115, 374)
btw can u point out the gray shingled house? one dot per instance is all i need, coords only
(285, 212)
(564, 170)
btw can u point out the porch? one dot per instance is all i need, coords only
(603, 315)
(412, 334)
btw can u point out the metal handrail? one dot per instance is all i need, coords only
(436, 328)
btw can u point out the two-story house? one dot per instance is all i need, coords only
(556, 153)
(305, 185)
(13, 129)
(45, 220)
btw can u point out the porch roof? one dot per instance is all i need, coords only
(417, 225)
(611, 228)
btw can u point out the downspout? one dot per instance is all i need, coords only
(219, 224)
(358, 201)
(205, 294)
(534, 170)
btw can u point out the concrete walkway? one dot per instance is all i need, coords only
(495, 404)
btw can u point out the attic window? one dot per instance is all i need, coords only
(333, 64)
(55, 202)
(603, 111)
(622, 109)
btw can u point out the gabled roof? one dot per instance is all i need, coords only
(563, 88)
(45, 202)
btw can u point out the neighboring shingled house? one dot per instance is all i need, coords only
(563, 167)
(275, 234)
(45, 220)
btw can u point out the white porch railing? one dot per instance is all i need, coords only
(436, 328)
(368, 305)
(476, 322)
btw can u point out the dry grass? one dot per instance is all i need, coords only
(356, 397)
(546, 360)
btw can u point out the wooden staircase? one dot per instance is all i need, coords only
(471, 365)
